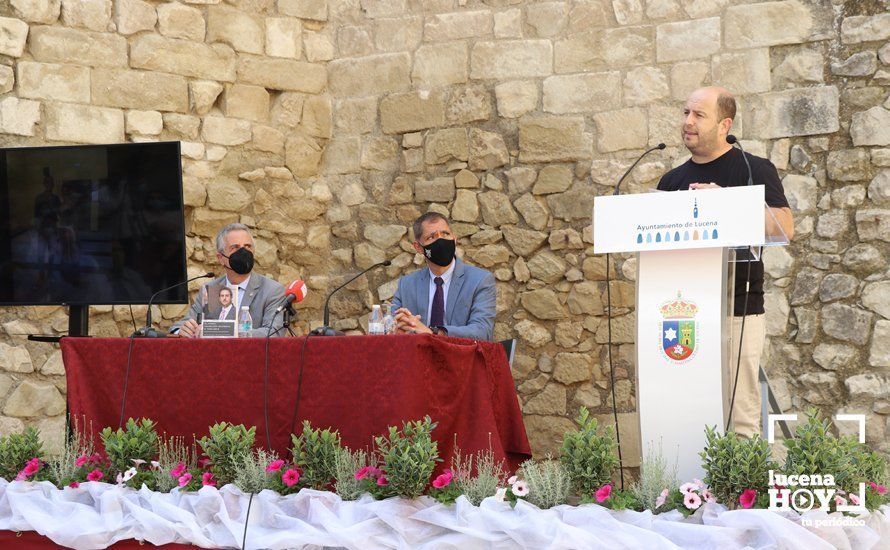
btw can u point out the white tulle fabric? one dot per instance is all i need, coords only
(96, 515)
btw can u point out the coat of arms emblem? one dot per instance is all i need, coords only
(678, 329)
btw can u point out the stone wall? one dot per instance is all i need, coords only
(328, 125)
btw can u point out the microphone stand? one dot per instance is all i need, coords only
(325, 329)
(148, 331)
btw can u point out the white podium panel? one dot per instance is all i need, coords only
(680, 351)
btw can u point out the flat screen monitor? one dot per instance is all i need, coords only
(91, 224)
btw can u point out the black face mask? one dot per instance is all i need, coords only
(241, 261)
(440, 251)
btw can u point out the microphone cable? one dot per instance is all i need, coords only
(735, 383)
(131, 339)
(293, 422)
(612, 372)
(133, 318)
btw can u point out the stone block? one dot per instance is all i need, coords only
(496, 209)
(33, 398)
(13, 359)
(687, 39)
(579, 93)
(865, 28)
(508, 24)
(318, 47)
(94, 15)
(550, 400)
(534, 214)
(140, 90)
(879, 188)
(84, 124)
(342, 156)
(132, 16)
(511, 59)
(170, 55)
(380, 153)
(7, 79)
(801, 192)
(225, 131)
(553, 139)
(623, 129)
(457, 25)
(600, 50)
(465, 207)
(446, 145)
(796, 112)
(487, 150)
(848, 165)
(437, 190)
(687, 76)
(858, 64)
(574, 204)
(440, 64)
(283, 37)
(572, 368)
(544, 304)
(553, 179)
(316, 10)
(411, 111)
(185, 126)
(203, 94)
(62, 45)
(768, 24)
(873, 224)
(585, 299)
(743, 73)
(147, 123)
(879, 354)
(547, 266)
(468, 104)
(317, 116)
(645, 85)
(547, 18)
(847, 323)
(383, 8)
(227, 194)
(54, 82)
(516, 98)
(371, 75)
(283, 74)
(240, 30)
(37, 11)
(243, 101)
(524, 242)
(871, 127)
(354, 41)
(178, 21)
(397, 34)
(800, 67)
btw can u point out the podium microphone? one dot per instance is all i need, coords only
(658, 147)
(325, 329)
(147, 331)
(731, 139)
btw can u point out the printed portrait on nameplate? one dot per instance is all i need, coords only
(220, 311)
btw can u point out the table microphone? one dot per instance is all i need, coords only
(731, 139)
(147, 331)
(325, 329)
(295, 292)
(657, 147)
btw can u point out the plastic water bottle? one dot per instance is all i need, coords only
(375, 321)
(389, 323)
(245, 322)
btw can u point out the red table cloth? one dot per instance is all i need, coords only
(358, 385)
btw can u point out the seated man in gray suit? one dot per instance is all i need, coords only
(449, 296)
(262, 296)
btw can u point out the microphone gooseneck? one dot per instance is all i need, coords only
(325, 329)
(658, 147)
(147, 331)
(732, 140)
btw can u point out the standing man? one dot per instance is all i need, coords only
(448, 296)
(234, 252)
(708, 117)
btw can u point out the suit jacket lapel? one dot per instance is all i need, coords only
(253, 288)
(457, 282)
(422, 295)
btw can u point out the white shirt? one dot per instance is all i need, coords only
(225, 312)
(446, 278)
(242, 288)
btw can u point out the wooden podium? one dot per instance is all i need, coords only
(686, 244)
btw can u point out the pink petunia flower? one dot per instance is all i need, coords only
(21, 476)
(95, 475)
(699, 484)
(665, 493)
(178, 470)
(443, 480)
(184, 479)
(275, 465)
(839, 500)
(81, 460)
(207, 479)
(692, 501)
(854, 499)
(512, 480)
(74, 485)
(203, 462)
(604, 493)
(520, 488)
(881, 489)
(155, 464)
(368, 471)
(382, 481)
(687, 488)
(31, 467)
(659, 502)
(707, 496)
(138, 461)
(747, 498)
(291, 477)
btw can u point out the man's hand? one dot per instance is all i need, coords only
(408, 323)
(711, 185)
(190, 329)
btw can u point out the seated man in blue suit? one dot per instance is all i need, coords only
(449, 296)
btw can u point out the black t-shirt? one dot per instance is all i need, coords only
(729, 170)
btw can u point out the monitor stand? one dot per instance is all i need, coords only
(78, 325)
